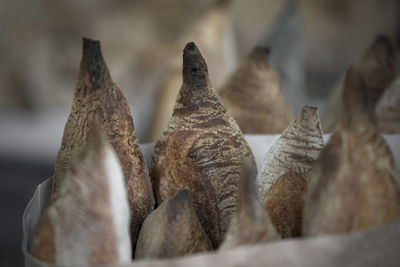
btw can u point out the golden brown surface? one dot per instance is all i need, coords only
(250, 224)
(286, 169)
(43, 248)
(172, 230)
(205, 134)
(98, 98)
(354, 185)
(254, 96)
(285, 203)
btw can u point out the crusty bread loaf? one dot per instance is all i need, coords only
(354, 185)
(380, 54)
(214, 33)
(286, 164)
(202, 131)
(250, 224)
(88, 223)
(97, 97)
(254, 96)
(172, 230)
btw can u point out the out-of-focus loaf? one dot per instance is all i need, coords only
(355, 185)
(254, 96)
(172, 230)
(88, 222)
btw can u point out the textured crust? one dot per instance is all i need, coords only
(294, 152)
(186, 174)
(354, 184)
(78, 227)
(211, 139)
(250, 224)
(214, 34)
(254, 96)
(172, 230)
(98, 98)
(285, 203)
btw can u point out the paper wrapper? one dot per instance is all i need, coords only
(377, 247)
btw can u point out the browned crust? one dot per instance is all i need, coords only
(254, 97)
(185, 174)
(172, 230)
(250, 224)
(43, 248)
(98, 98)
(284, 203)
(210, 138)
(354, 182)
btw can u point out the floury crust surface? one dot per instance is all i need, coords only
(201, 130)
(286, 171)
(172, 230)
(88, 223)
(98, 98)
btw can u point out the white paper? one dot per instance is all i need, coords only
(259, 145)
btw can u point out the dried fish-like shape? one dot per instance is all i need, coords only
(380, 54)
(250, 224)
(388, 109)
(89, 221)
(206, 134)
(97, 97)
(254, 96)
(172, 230)
(290, 159)
(354, 183)
(214, 34)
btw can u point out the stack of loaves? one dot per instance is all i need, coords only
(203, 191)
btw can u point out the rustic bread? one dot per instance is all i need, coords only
(286, 169)
(254, 96)
(354, 184)
(97, 97)
(214, 33)
(88, 222)
(380, 54)
(202, 131)
(172, 230)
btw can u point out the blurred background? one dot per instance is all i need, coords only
(311, 41)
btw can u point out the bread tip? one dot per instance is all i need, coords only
(92, 49)
(93, 64)
(194, 66)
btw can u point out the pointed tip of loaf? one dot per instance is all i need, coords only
(93, 65)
